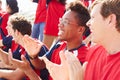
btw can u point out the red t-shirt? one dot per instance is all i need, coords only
(41, 12)
(111, 69)
(88, 2)
(101, 65)
(55, 10)
(4, 16)
(80, 52)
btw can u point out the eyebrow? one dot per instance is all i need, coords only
(68, 19)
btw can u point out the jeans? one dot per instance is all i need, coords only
(37, 31)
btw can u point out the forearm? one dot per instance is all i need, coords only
(1, 44)
(5, 73)
(12, 74)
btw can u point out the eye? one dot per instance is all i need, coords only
(65, 22)
(92, 17)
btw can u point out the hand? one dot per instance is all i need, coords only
(69, 69)
(75, 69)
(23, 65)
(57, 72)
(32, 46)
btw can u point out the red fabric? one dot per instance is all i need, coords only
(86, 2)
(101, 65)
(81, 54)
(95, 58)
(3, 25)
(22, 52)
(54, 12)
(111, 70)
(15, 47)
(41, 12)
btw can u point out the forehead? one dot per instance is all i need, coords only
(8, 22)
(96, 9)
(69, 15)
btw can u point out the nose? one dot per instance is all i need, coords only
(60, 24)
(88, 23)
(7, 27)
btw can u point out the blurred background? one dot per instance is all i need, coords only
(26, 7)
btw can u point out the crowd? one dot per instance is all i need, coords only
(56, 48)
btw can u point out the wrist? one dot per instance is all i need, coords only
(32, 58)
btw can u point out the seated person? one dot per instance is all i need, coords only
(72, 26)
(17, 27)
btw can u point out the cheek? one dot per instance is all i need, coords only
(71, 33)
(9, 31)
(97, 35)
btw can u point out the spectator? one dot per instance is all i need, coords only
(72, 26)
(39, 23)
(55, 10)
(11, 8)
(17, 27)
(102, 59)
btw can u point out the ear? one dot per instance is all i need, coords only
(112, 19)
(81, 29)
(17, 32)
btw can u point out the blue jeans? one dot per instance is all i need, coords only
(37, 31)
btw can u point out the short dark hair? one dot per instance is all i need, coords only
(82, 12)
(21, 24)
(62, 1)
(13, 4)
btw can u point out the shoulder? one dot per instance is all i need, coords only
(95, 51)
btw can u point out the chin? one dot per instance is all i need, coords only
(94, 40)
(60, 38)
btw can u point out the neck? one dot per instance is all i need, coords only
(113, 45)
(74, 44)
(20, 40)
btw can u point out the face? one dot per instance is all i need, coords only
(68, 27)
(8, 9)
(97, 24)
(10, 30)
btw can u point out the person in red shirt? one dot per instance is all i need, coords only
(18, 26)
(11, 8)
(103, 58)
(39, 22)
(72, 26)
(55, 10)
